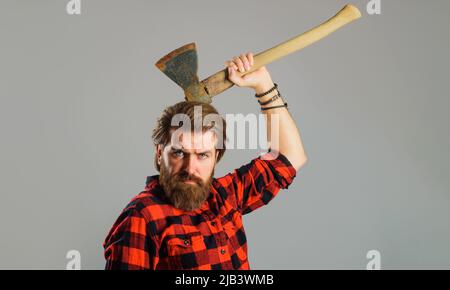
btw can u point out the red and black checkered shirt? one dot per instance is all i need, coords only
(150, 233)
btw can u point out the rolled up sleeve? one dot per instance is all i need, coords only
(255, 184)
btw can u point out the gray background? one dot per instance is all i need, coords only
(79, 96)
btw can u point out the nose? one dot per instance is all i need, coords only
(190, 164)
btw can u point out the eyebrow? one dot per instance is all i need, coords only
(174, 149)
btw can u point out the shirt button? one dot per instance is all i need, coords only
(186, 242)
(222, 251)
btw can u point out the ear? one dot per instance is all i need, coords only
(158, 153)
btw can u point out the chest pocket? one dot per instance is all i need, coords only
(187, 251)
(187, 243)
(231, 224)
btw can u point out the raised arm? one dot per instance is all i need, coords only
(289, 141)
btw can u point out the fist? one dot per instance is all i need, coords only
(240, 65)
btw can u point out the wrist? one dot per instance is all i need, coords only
(263, 87)
(269, 96)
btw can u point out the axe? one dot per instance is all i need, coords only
(181, 64)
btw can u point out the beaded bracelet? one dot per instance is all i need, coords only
(268, 92)
(267, 108)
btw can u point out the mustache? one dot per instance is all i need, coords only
(187, 177)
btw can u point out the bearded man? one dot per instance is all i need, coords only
(187, 219)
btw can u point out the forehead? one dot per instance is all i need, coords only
(192, 141)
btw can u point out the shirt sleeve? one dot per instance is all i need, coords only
(129, 246)
(258, 182)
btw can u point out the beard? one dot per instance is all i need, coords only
(185, 196)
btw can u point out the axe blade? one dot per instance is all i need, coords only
(181, 66)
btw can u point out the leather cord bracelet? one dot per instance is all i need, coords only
(271, 99)
(268, 92)
(273, 107)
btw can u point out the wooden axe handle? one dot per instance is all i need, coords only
(218, 82)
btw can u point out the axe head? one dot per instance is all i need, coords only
(181, 66)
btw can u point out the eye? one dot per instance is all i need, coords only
(178, 153)
(203, 155)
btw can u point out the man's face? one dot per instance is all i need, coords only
(187, 168)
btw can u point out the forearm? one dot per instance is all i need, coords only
(288, 142)
(289, 139)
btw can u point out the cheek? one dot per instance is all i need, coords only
(173, 165)
(207, 168)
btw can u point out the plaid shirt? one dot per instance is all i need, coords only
(150, 233)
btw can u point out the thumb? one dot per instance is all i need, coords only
(234, 77)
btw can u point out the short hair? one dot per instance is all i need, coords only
(162, 133)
